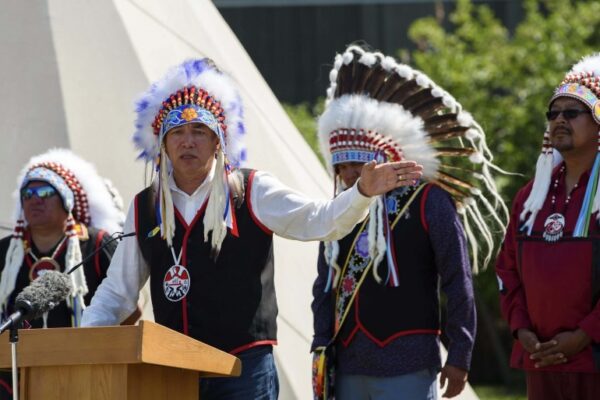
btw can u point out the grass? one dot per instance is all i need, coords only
(499, 393)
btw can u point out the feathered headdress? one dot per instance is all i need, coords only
(87, 201)
(377, 106)
(193, 92)
(582, 83)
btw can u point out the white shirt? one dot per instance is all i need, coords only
(284, 211)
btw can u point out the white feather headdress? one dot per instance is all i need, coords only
(376, 105)
(87, 200)
(193, 92)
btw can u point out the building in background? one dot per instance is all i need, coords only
(292, 41)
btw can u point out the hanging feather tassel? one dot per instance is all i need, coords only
(541, 185)
(380, 242)
(167, 210)
(12, 264)
(390, 251)
(214, 222)
(73, 257)
(332, 251)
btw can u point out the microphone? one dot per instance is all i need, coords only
(44, 293)
(47, 291)
(120, 236)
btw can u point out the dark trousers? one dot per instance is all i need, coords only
(563, 385)
(258, 381)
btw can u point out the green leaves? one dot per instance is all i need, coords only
(505, 80)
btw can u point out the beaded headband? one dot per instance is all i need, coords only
(67, 185)
(194, 91)
(584, 87)
(360, 145)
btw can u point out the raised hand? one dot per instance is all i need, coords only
(376, 179)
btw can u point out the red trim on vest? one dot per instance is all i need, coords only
(199, 213)
(250, 208)
(360, 326)
(423, 201)
(101, 234)
(234, 228)
(347, 341)
(6, 386)
(270, 342)
(186, 235)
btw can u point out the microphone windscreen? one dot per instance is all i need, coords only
(44, 293)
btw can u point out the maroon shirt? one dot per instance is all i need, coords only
(551, 287)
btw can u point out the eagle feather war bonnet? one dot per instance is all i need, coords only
(379, 108)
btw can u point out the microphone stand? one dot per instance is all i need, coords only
(14, 327)
(120, 236)
(14, 339)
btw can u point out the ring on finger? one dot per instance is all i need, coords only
(400, 177)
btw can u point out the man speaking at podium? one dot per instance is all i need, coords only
(204, 228)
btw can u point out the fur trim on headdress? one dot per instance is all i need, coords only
(377, 106)
(93, 201)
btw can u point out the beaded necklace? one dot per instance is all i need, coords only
(44, 263)
(555, 223)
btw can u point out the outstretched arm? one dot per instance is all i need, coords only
(292, 215)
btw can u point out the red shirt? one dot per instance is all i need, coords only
(552, 287)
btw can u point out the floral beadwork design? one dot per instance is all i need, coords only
(189, 114)
(359, 259)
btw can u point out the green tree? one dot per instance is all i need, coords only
(304, 116)
(505, 80)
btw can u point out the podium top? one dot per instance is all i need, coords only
(146, 343)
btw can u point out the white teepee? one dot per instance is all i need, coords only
(70, 73)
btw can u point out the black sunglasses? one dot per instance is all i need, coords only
(42, 192)
(569, 113)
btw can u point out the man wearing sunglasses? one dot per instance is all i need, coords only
(548, 268)
(65, 212)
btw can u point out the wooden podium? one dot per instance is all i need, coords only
(147, 361)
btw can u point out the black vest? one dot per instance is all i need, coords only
(230, 302)
(413, 307)
(94, 269)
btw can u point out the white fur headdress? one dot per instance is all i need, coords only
(87, 201)
(378, 106)
(582, 83)
(193, 92)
